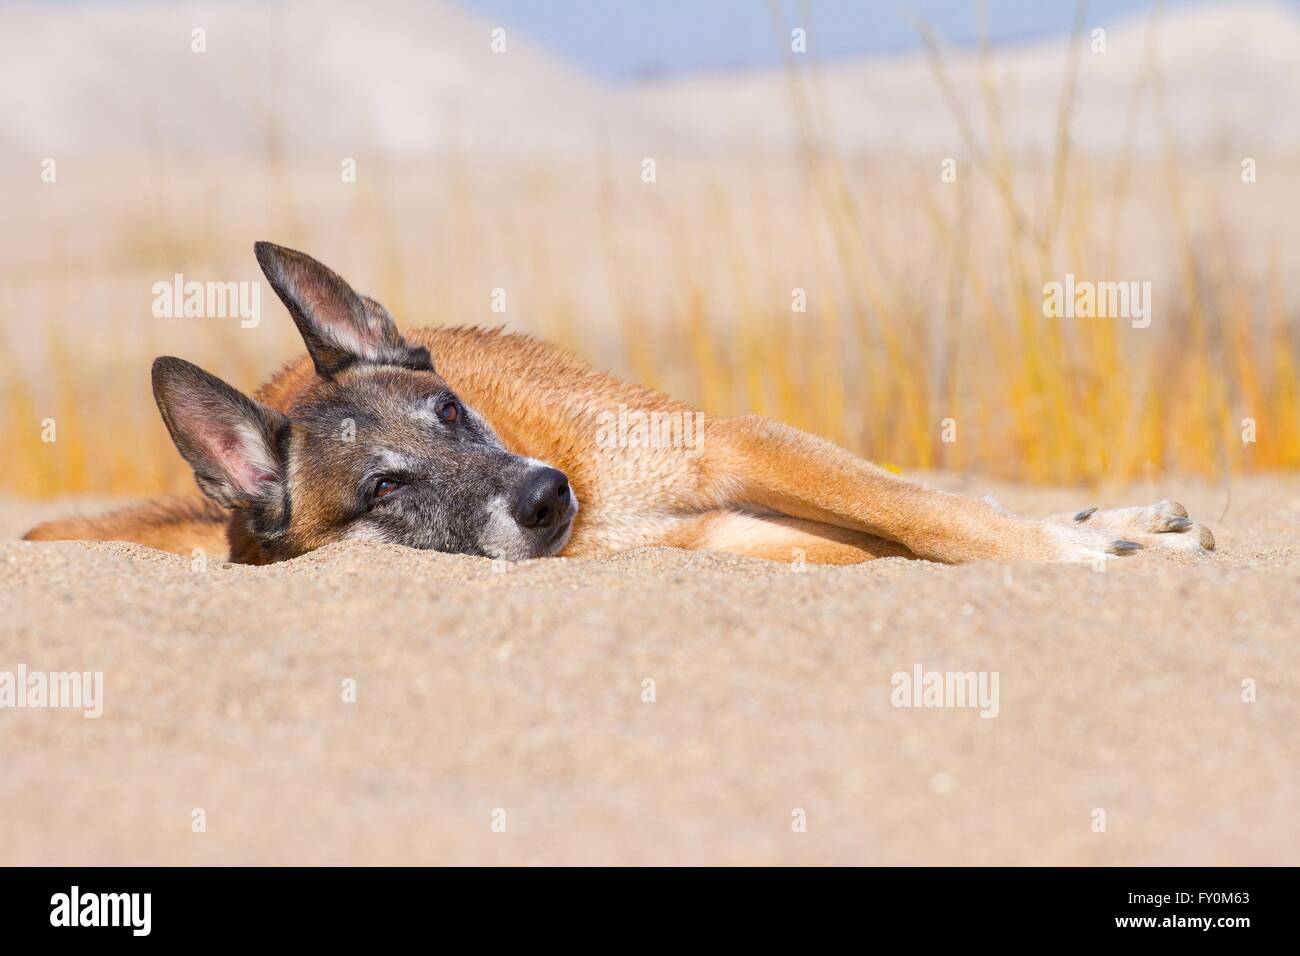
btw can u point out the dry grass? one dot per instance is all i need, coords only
(924, 298)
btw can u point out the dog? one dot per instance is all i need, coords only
(486, 443)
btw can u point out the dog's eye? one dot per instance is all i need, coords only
(385, 487)
(449, 412)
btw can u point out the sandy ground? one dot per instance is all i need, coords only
(481, 690)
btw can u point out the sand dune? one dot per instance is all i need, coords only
(1224, 70)
(408, 78)
(301, 76)
(521, 690)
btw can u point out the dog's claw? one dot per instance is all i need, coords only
(1085, 514)
(1178, 524)
(1123, 547)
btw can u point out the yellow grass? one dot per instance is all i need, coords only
(924, 299)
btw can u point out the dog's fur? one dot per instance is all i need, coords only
(302, 465)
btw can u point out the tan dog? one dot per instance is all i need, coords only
(515, 449)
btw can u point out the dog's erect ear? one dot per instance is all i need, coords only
(231, 441)
(339, 326)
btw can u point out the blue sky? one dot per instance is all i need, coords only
(622, 39)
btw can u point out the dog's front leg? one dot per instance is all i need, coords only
(759, 463)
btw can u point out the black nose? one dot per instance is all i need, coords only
(542, 498)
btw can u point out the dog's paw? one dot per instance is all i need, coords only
(1078, 545)
(1163, 526)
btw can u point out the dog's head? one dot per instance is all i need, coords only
(377, 447)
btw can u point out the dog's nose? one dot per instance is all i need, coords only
(542, 499)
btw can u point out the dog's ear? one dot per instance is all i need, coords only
(339, 326)
(231, 441)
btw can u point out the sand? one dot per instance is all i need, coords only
(514, 694)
